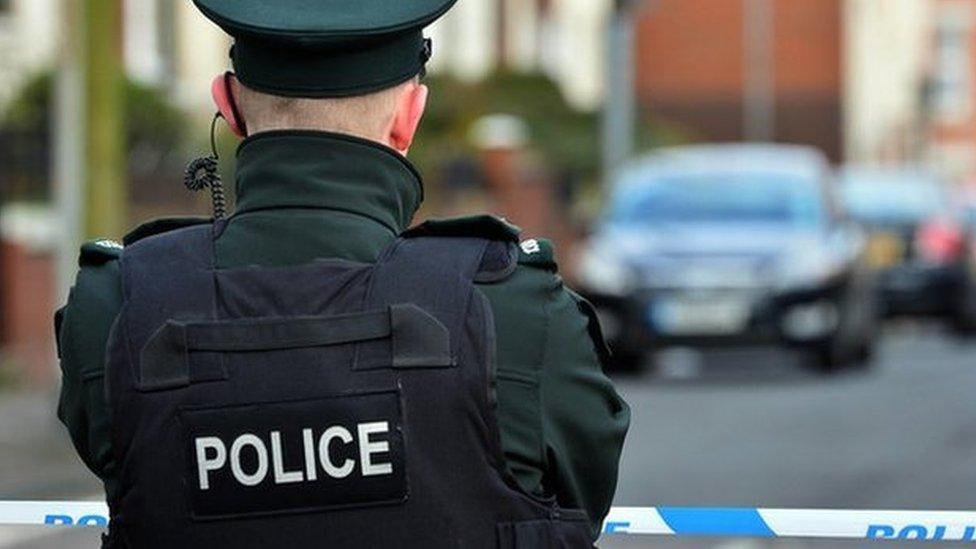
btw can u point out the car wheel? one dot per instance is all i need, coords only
(831, 356)
(827, 359)
(964, 321)
(866, 348)
(864, 355)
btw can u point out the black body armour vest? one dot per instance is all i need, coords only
(333, 404)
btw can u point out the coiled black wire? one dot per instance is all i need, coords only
(203, 172)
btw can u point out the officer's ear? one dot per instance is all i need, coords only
(225, 97)
(410, 107)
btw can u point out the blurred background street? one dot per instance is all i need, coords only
(771, 203)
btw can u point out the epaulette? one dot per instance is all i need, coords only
(480, 226)
(99, 252)
(160, 226)
(501, 256)
(538, 252)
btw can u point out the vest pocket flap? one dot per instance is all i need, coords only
(164, 360)
(418, 340)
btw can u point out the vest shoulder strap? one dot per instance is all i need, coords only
(169, 276)
(477, 226)
(501, 258)
(499, 239)
(160, 226)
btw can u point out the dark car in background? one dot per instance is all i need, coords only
(918, 241)
(730, 245)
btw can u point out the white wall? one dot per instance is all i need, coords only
(464, 40)
(28, 42)
(569, 44)
(886, 50)
(522, 30)
(145, 60)
(201, 52)
(578, 50)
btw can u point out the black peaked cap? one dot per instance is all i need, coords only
(326, 48)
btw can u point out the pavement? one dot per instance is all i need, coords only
(37, 461)
(745, 428)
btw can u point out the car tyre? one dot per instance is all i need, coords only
(864, 355)
(964, 321)
(829, 358)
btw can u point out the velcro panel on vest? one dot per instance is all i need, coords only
(418, 341)
(500, 257)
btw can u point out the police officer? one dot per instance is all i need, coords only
(310, 371)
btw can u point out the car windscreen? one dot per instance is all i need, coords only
(893, 200)
(717, 198)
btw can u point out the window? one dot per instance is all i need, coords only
(953, 79)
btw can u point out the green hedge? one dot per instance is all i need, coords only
(155, 132)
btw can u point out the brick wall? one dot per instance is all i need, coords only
(691, 68)
(27, 294)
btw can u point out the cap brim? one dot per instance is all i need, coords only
(309, 21)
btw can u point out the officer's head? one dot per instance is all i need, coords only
(349, 66)
(389, 116)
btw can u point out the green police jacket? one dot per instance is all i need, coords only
(302, 196)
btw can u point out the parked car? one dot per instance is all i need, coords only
(969, 217)
(918, 242)
(729, 245)
(968, 211)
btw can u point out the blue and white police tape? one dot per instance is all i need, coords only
(662, 521)
(793, 523)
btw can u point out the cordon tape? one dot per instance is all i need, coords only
(661, 521)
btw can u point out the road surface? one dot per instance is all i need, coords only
(762, 431)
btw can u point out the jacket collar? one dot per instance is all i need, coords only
(328, 171)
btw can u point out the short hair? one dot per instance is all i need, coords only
(364, 116)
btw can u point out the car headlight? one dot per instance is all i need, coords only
(603, 274)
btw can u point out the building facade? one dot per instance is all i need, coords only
(730, 70)
(910, 84)
(865, 80)
(948, 100)
(886, 45)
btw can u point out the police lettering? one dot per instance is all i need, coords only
(212, 455)
(921, 532)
